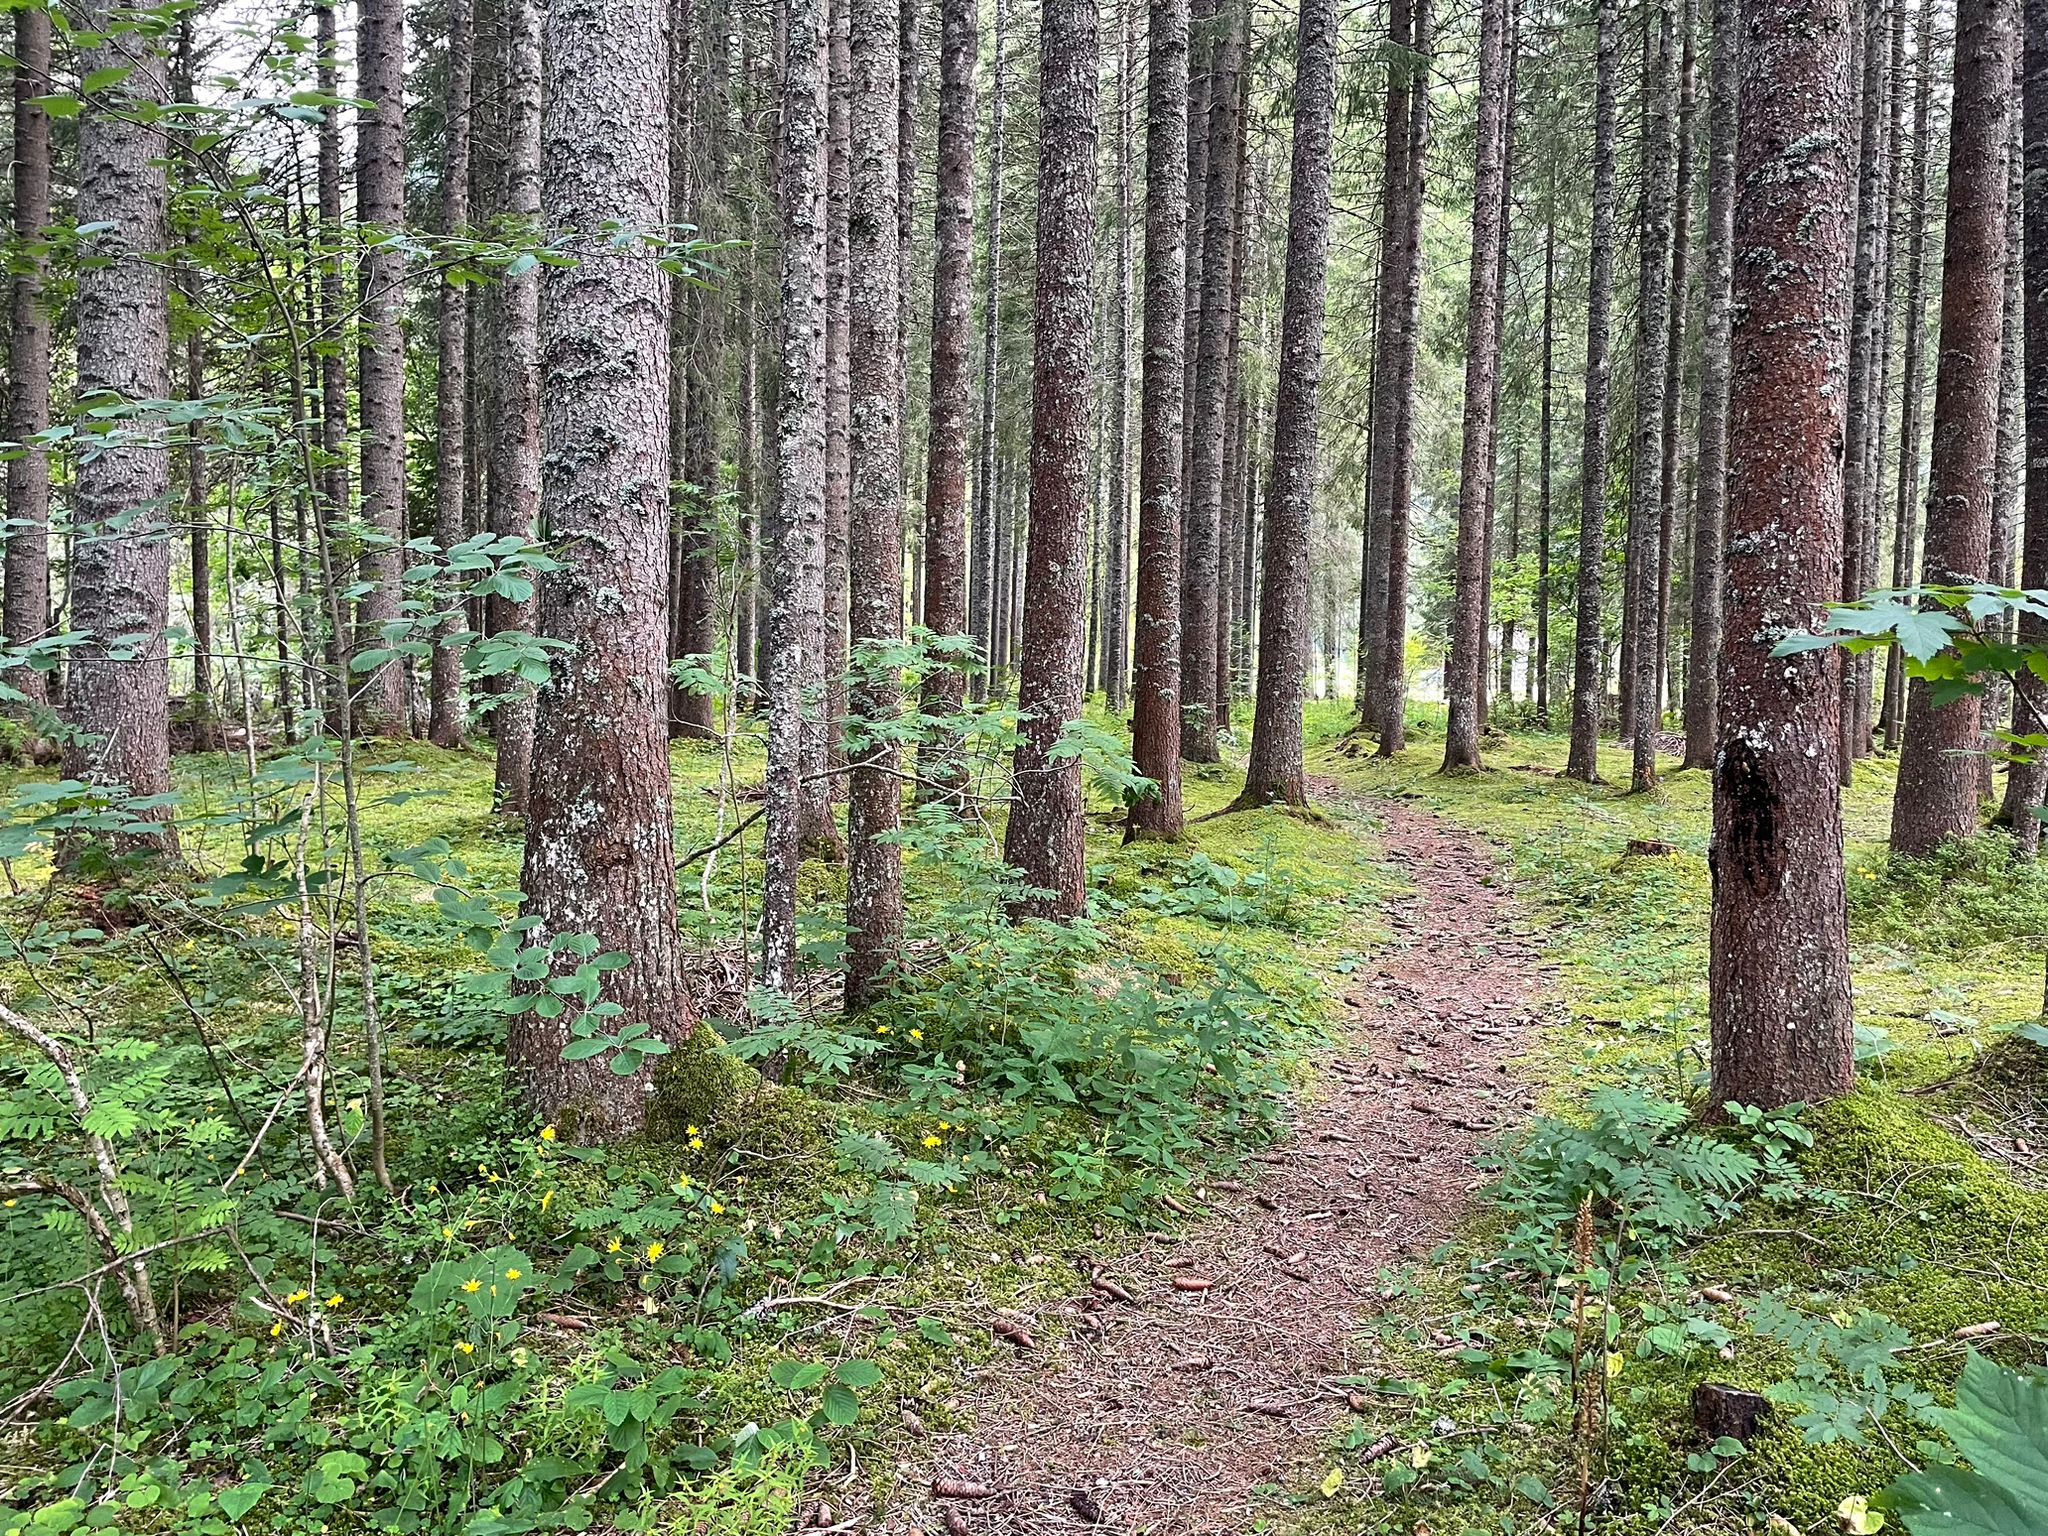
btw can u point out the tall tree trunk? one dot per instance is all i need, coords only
(945, 501)
(451, 450)
(384, 707)
(1702, 679)
(982, 588)
(1116, 651)
(1482, 340)
(1392, 710)
(2008, 490)
(698, 151)
(874, 883)
(199, 705)
(1876, 451)
(1203, 35)
(1642, 671)
(1589, 659)
(1229, 535)
(1912, 383)
(1387, 399)
(2026, 781)
(118, 692)
(821, 835)
(1275, 771)
(1044, 839)
(1937, 791)
(25, 611)
(796, 541)
(1200, 527)
(1545, 422)
(515, 445)
(1782, 1027)
(1155, 687)
(1858, 473)
(1674, 351)
(334, 508)
(599, 848)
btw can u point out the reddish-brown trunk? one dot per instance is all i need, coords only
(1937, 789)
(1044, 839)
(1782, 1027)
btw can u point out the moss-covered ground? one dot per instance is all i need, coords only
(1918, 1203)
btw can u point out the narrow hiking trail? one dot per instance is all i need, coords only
(1169, 1405)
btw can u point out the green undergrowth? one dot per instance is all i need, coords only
(682, 1333)
(1844, 1261)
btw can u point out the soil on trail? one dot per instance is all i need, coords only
(1178, 1409)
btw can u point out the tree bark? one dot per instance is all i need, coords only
(823, 752)
(118, 692)
(1781, 1019)
(1674, 352)
(1044, 839)
(945, 516)
(1546, 413)
(26, 615)
(796, 540)
(1702, 678)
(1643, 672)
(515, 445)
(334, 506)
(451, 450)
(383, 705)
(1912, 387)
(1859, 523)
(1276, 771)
(1937, 791)
(1155, 686)
(599, 848)
(2026, 781)
(1462, 674)
(874, 883)
(982, 589)
(1200, 527)
(1589, 658)
(1387, 401)
(1393, 667)
(1116, 650)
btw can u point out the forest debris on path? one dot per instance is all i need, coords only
(1170, 1413)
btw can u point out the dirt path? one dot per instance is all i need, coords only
(1168, 1412)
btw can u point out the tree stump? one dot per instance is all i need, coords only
(1719, 1411)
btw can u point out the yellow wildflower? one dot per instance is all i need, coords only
(512, 1274)
(931, 1141)
(717, 1209)
(296, 1297)
(465, 1346)
(276, 1329)
(447, 1231)
(472, 1286)
(614, 1246)
(696, 1143)
(691, 1130)
(881, 1029)
(917, 1034)
(655, 1250)
(547, 1133)
(334, 1300)
(547, 1199)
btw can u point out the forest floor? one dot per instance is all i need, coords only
(1195, 1377)
(1272, 1060)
